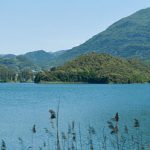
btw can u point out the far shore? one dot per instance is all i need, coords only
(57, 82)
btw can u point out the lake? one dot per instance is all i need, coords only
(22, 105)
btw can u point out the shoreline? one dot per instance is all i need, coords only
(111, 83)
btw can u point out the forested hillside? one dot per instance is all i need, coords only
(97, 68)
(127, 38)
(8, 74)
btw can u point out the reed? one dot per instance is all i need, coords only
(116, 136)
(3, 145)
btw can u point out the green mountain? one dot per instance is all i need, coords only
(97, 68)
(16, 69)
(129, 37)
(40, 57)
(43, 59)
(17, 63)
(35, 60)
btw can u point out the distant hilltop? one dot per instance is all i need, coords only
(127, 38)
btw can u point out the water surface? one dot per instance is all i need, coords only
(22, 105)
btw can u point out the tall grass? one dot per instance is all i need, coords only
(115, 137)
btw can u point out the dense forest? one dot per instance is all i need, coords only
(11, 75)
(16, 69)
(97, 68)
(88, 68)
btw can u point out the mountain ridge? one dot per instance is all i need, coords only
(129, 37)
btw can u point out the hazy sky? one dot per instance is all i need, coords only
(28, 25)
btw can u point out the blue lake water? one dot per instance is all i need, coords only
(22, 105)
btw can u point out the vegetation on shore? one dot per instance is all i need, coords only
(11, 75)
(88, 68)
(97, 68)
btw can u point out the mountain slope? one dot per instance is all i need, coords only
(42, 58)
(35, 60)
(129, 37)
(17, 63)
(97, 68)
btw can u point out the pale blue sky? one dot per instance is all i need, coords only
(28, 25)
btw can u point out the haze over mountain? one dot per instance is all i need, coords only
(17, 63)
(35, 60)
(128, 38)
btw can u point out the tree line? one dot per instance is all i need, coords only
(89, 68)
(10, 75)
(97, 68)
